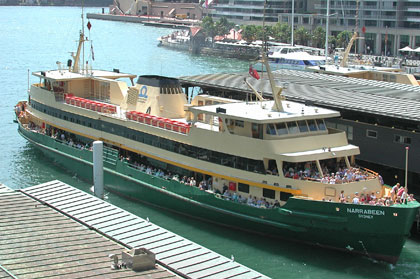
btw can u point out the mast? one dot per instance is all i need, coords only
(76, 57)
(326, 32)
(83, 32)
(293, 20)
(80, 47)
(276, 90)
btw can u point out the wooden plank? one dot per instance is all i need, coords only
(90, 207)
(207, 271)
(237, 272)
(126, 231)
(113, 224)
(168, 245)
(249, 275)
(195, 262)
(153, 242)
(199, 255)
(179, 251)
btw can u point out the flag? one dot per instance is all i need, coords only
(207, 4)
(93, 54)
(89, 25)
(253, 72)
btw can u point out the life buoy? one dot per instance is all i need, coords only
(143, 92)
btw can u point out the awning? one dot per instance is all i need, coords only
(407, 48)
(321, 154)
(416, 50)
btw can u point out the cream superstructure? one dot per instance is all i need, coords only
(236, 133)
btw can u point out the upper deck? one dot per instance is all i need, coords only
(262, 112)
(66, 75)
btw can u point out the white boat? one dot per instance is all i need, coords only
(288, 58)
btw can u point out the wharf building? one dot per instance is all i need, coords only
(382, 118)
(383, 26)
(183, 9)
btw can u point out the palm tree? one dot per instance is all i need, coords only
(208, 26)
(302, 36)
(282, 32)
(318, 37)
(343, 38)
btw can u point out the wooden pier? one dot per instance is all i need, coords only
(36, 241)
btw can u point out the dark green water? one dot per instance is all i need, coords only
(36, 37)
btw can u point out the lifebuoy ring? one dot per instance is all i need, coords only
(143, 92)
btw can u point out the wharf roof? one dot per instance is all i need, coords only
(262, 111)
(387, 99)
(183, 257)
(61, 75)
(39, 242)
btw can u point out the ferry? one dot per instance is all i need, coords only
(292, 58)
(270, 167)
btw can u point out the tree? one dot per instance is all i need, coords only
(208, 27)
(249, 33)
(318, 37)
(302, 36)
(282, 32)
(223, 26)
(343, 38)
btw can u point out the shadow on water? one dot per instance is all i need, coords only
(270, 256)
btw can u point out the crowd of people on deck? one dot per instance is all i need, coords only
(205, 185)
(397, 195)
(339, 175)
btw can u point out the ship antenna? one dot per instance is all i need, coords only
(275, 90)
(76, 57)
(83, 32)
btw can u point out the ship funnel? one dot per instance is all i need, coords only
(157, 95)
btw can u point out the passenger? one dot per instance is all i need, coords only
(227, 195)
(394, 191)
(342, 198)
(235, 197)
(400, 191)
(249, 201)
(404, 197)
(356, 198)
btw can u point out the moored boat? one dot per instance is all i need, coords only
(262, 166)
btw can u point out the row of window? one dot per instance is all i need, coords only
(294, 127)
(267, 193)
(369, 133)
(397, 138)
(224, 159)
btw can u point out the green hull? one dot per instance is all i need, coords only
(377, 232)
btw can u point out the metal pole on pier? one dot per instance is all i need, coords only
(293, 21)
(406, 169)
(326, 32)
(98, 169)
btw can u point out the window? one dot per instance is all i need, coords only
(281, 129)
(371, 134)
(270, 129)
(303, 127)
(312, 125)
(321, 124)
(268, 193)
(402, 139)
(243, 187)
(293, 129)
(239, 123)
(285, 196)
